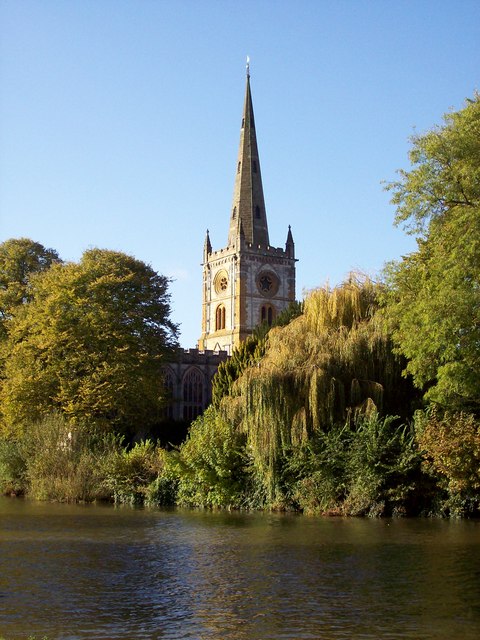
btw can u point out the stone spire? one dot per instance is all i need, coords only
(248, 207)
(290, 245)
(207, 247)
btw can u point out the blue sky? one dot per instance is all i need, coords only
(120, 123)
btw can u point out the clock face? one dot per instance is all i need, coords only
(267, 283)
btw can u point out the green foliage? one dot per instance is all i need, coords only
(130, 473)
(211, 466)
(64, 461)
(432, 298)
(330, 364)
(12, 468)
(450, 445)
(371, 469)
(383, 468)
(89, 344)
(163, 490)
(248, 353)
(314, 475)
(20, 259)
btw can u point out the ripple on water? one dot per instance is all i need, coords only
(99, 572)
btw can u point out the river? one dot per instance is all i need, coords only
(99, 572)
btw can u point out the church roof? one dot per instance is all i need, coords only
(248, 208)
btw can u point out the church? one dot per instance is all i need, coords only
(245, 284)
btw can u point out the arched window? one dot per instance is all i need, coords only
(192, 394)
(238, 167)
(169, 386)
(220, 318)
(268, 314)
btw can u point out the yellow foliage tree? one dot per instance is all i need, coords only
(333, 362)
(89, 344)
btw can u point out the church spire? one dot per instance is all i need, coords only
(207, 247)
(248, 207)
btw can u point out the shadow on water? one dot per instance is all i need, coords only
(70, 572)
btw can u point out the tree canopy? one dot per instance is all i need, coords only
(20, 258)
(89, 344)
(433, 294)
(329, 365)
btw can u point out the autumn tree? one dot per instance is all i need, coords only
(89, 344)
(433, 300)
(20, 258)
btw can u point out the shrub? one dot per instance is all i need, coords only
(315, 472)
(63, 460)
(129, 474)
(211, 466)
(12, 468)
(368, 468)
(450, 446)
(382, 468)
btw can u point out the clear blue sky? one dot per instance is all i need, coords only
(120, 122)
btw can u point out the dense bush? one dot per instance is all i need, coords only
(210, 468)
(450, 446)
(64, 462)
(129, 473)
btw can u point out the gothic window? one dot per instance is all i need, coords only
(169, 386)
(254, 166)
(192, 394)
(267, 283)
(268, 314)
(220, 318)
(234, 214)
(257, 211)
(243, 122)
(238, 167)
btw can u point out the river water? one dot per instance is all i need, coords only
(100, 572)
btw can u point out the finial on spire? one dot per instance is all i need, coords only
(248, 66)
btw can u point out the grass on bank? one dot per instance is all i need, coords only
(376, 467)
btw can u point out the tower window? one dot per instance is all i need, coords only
(243, 122)
(238, 167)
(267, 314)
(254, 166)
(220, 318)
(234, 214)
(257, 212)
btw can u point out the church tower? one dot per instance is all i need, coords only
(248, 282)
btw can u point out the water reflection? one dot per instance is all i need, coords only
(97, 572)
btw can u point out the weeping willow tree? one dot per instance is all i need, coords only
(332, 364)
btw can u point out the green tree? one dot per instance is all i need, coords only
(329, 365)
(248, 353)
(19, 260)
(433, 296)
(89, 344)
